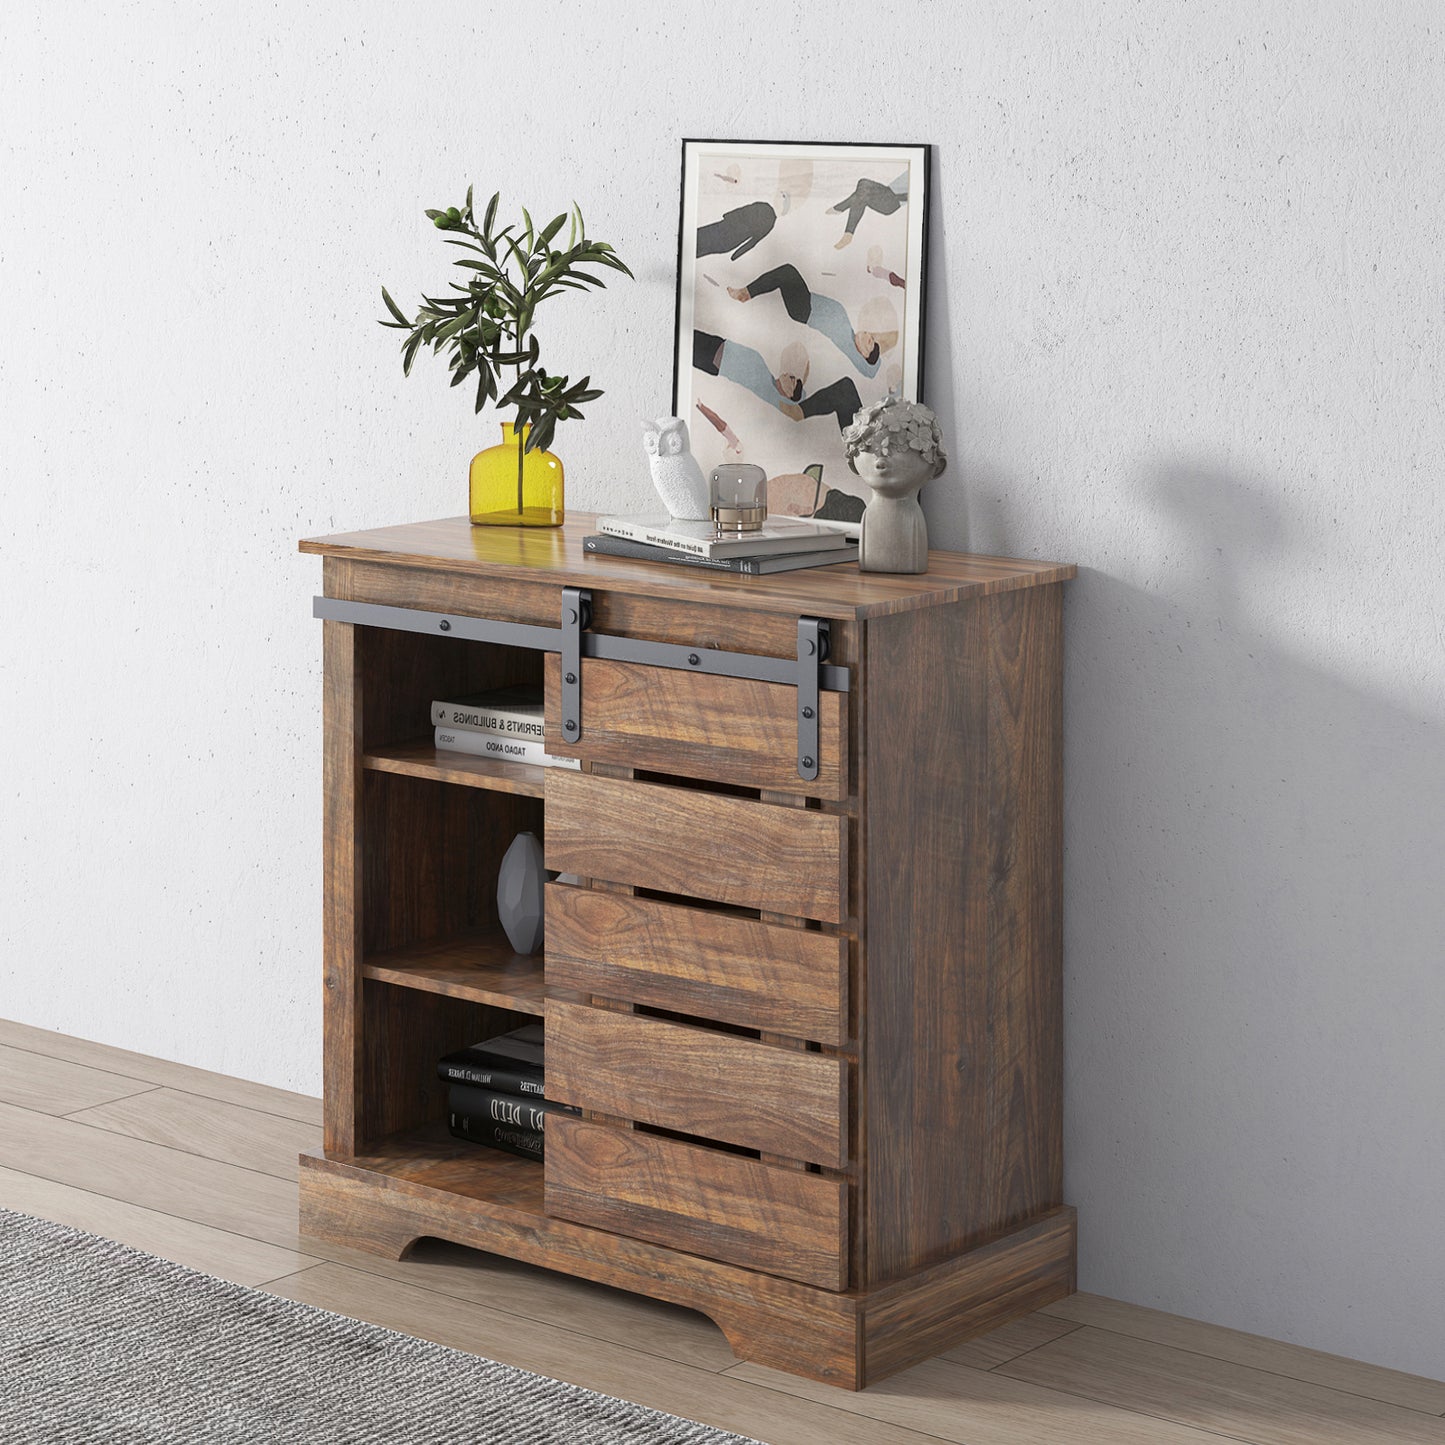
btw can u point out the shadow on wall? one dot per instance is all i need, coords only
(1255, 936)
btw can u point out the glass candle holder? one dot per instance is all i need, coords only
(738, 496)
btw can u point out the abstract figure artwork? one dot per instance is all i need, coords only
(785, 328)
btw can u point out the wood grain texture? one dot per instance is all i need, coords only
(719, 1205)
(723, 729)
(384, 1203)
(693, 624)
(452, 545)
(944, 1400)
(628, 1370)
(426, 760)
(53, 1086)
(1211, 1394)
(963, 937)
(341, 885)
(685, 841)
(1236, 1347)
(403, 673)
(105, 1057)
(253, 1140)
(431, 858)
(931, 858)
(478, 967)
(405, 1032)
(698, 1081)
(970, 1294)
(951, 1397)
(221, 1196)
(384, 1211)
(699, 961)
(220, 1252)
(600, 1312)
(1009, 1341)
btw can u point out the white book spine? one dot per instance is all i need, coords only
(511, 724)
(631, 532)
(505, 750)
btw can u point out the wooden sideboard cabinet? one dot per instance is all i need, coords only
(802, 966)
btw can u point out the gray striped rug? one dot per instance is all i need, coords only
(99, 1342)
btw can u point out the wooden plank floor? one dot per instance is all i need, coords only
(201, 1169)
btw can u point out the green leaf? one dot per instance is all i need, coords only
(394, 308)
(408, 354)
(491, 213)
(468, 210)
(551, 229)
(531, 235)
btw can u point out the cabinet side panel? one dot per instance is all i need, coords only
(1021, 1005)
(341, 788)
(962, 1061)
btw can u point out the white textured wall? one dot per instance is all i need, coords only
(1185, 328)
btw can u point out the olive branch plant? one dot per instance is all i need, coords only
(487, 324)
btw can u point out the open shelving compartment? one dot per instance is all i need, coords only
(437, 972)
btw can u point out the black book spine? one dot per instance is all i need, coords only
(526, 1142)
(511, 1109)
(502, 1079)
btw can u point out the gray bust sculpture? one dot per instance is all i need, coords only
(895, 447)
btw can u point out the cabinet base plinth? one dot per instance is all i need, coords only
(850, 1338)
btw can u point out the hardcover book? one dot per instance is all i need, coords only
(607, 546)
(504, 1108)
(510, 1063)
(481, 744)
(512, 711)
(702, 539)
(526, 1142)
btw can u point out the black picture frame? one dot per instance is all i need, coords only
(792, 244)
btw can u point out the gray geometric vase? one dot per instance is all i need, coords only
(519, 893)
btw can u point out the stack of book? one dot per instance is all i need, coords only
(497, 1092)
(783, 544)
(505, 723)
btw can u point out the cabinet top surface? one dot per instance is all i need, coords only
(555, 554)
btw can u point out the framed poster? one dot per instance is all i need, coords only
(800, 299)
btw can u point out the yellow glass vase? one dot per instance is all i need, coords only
(513, 488)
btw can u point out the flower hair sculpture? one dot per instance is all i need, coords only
(894, 426)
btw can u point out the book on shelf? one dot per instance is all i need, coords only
(778, 535)
(607, 546)
(514, 712)
(504, 749)
(479, 1130)
(513, 1110)
(510, 1063)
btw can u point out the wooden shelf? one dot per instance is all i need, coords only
(431, 1157)
(426, 760)
(478, 967)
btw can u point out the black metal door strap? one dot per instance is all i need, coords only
(810, 672)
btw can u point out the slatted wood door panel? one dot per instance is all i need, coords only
(698, 961)
(699, 1081)
(726, 729)
(723, 1206)
(684, 841)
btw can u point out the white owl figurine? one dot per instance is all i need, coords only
(675, 472)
